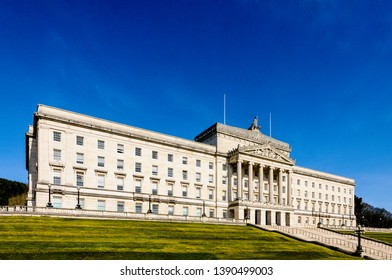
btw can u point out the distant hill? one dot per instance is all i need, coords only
(370, 216)
(12, 192)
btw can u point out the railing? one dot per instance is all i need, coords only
(61, 212)
(383, 251)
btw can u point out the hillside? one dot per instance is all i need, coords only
(12, 192)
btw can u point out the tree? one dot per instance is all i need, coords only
(12, 191)
(370, 216)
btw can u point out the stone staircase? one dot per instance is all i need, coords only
(348, 243)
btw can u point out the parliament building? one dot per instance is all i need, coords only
(79, 161)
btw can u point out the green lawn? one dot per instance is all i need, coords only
(381, 236)
(57, 238)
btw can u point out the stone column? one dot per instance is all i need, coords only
(289, 188)
(261, 179)
(250, 181)
(229, 183)
(239, 179)
(280, 195)
(271, 184)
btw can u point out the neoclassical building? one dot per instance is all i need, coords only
(226, 172)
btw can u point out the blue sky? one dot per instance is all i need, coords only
(322, 68)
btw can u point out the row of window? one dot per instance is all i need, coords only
(326, 186)
(327, 196)
(327, 207)
(333, 222)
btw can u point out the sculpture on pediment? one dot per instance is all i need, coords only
(255, 125)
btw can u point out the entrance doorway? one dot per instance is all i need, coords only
(268, 218)
(258, 217)
(287, 219)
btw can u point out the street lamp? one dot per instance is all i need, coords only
(204, 209)
(359, 250)
(319, 223)
(49, 204)
(149, 204)
(78, 206)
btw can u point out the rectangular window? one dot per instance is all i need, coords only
(184, 160)
(306, 194)
(333, 198)
(120, 164)
(224, 167)
(313, 184)
(79, 158)
(154, 155)
(224, 195)
(198, 212)
(101, 205)
(198, 176)
(210, 179)
(170, 172)
(298, 182)
(212, 213)
(120, 206)
(57, 155)
(138, 186)
(154, 188)
(120, 148)
(56, 177)
(138, 152)
(170, 157)
(79, 140)
(185, 175)
(101, 181)
(224, 180)
(101, 161)
(120, 183)
(184, 191)
(326, 187)
(170, 210)
(138, 208)
(326, 196)
(56, 136)
(155, 209)
(319, 195)
(211, 194)
(170, 190)
(198, 163)
(185, 211)
(198, 192)
(211, 165)
(57, 202)
(155, 170)
(138, 167)
(224, 214)
(79, 179)
(101, 144)
(313, 195)
(306, 183)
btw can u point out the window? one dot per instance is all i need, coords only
(57, 155)
(298, 182)
(338, 189)
(120, 206)
(79, 179)
(170, 172)
(138, 167)
(120, 148)
(224, 195)
(326, 187)
(212, 213)
(246, 184)
(283, 178)
(185, 211)
(298, 192)
(306, 194)
(313, 195)
(313, 185)
(56, 177)
(154, 155)
(79, 140)
(265, 186)
(211, 165)
(101, 161)
(120, 164)
(224, 180)
(198, 176)
(170, 210)
(198, 212)
(326, 196)
(138, 208)
(170, 190)
(101, 181)
(333, 188)
(138, 152)
(57, 202)
(211, 194)
(333, 198)
(170, 157)
(101, 144)
(101, 205)
(155, 209)
(138, 186)
(155, 170)
(154, 188)
(185, 175)
(79, 158)
(198, 192)
(306, 183)
(120, 183)
(320, 186)
(56, 136)
(184, 191)
(283, 189)
(198, 163)
(224, 214)
(235, 182)
(224, 167)
(184, 160)
(319, 195)
(210, 179)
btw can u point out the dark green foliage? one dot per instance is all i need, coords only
(9, 189)
(370, 216)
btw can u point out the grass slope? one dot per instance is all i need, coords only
(382, 236)
(56, 238)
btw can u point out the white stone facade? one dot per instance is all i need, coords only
(115, 167)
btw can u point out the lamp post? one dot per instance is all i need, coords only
(149, 204)
(49, 204)
(204, 209)
(78, 206)
(319, 223)
(359, 250)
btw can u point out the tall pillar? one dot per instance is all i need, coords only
(261, 179)
(289, 188)
(271, 185)
(250, 181)
(229, 183)
(239, 179)
(280, 191)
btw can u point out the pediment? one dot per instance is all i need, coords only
(268, 152)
